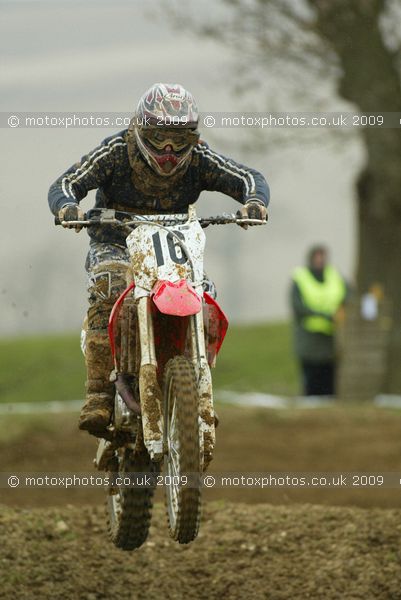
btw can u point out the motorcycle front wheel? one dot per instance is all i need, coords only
(183, 452)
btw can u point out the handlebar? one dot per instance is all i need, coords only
(100, 216)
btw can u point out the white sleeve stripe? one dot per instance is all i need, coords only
(71, 190)
(63, 187)
(70, 193)
(101, 149)
(105, 153)
(248, 174)
(104, 150)
(223, 168)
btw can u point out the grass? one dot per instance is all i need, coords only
(42, 368)
(46, 368)
(257, 358)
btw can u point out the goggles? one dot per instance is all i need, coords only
(178, 139)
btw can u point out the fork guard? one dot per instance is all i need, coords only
(176, 298)
(151, 404)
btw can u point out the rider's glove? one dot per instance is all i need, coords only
(71, 212)
(253, 209)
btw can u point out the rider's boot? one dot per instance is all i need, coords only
(96, 412)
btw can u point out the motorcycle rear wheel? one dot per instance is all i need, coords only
(183, 452)
(129, 508)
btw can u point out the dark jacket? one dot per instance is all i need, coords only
(125, 181)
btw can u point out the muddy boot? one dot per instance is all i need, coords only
(96, 413)
(97, 410)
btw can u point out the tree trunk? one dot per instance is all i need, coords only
(379, 252)
(371, 81)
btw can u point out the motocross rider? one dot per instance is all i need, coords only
(157, 165)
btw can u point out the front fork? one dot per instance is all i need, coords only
(205, 390)
(151, 395)
(149, 389)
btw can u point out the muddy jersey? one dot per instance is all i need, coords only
(124, 181)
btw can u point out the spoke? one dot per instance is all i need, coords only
(174, 468)
(173, 428)
(174, 450)
(173, 461)
(173, 442)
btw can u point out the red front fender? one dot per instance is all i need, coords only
(178, 299)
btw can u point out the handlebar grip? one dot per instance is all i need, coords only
(58, 222)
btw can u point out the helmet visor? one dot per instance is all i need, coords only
(178, 139)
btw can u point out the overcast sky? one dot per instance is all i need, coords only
(101, 56)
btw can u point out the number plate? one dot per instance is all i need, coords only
(156, 253)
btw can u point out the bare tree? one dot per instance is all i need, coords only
(356, 44)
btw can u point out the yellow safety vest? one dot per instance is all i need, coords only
(322, 296)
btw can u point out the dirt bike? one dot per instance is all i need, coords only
(165, 333)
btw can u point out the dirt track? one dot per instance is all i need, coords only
(248, 440)
(243, 552)
(55, 545)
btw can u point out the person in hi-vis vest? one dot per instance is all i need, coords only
(317, 294)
